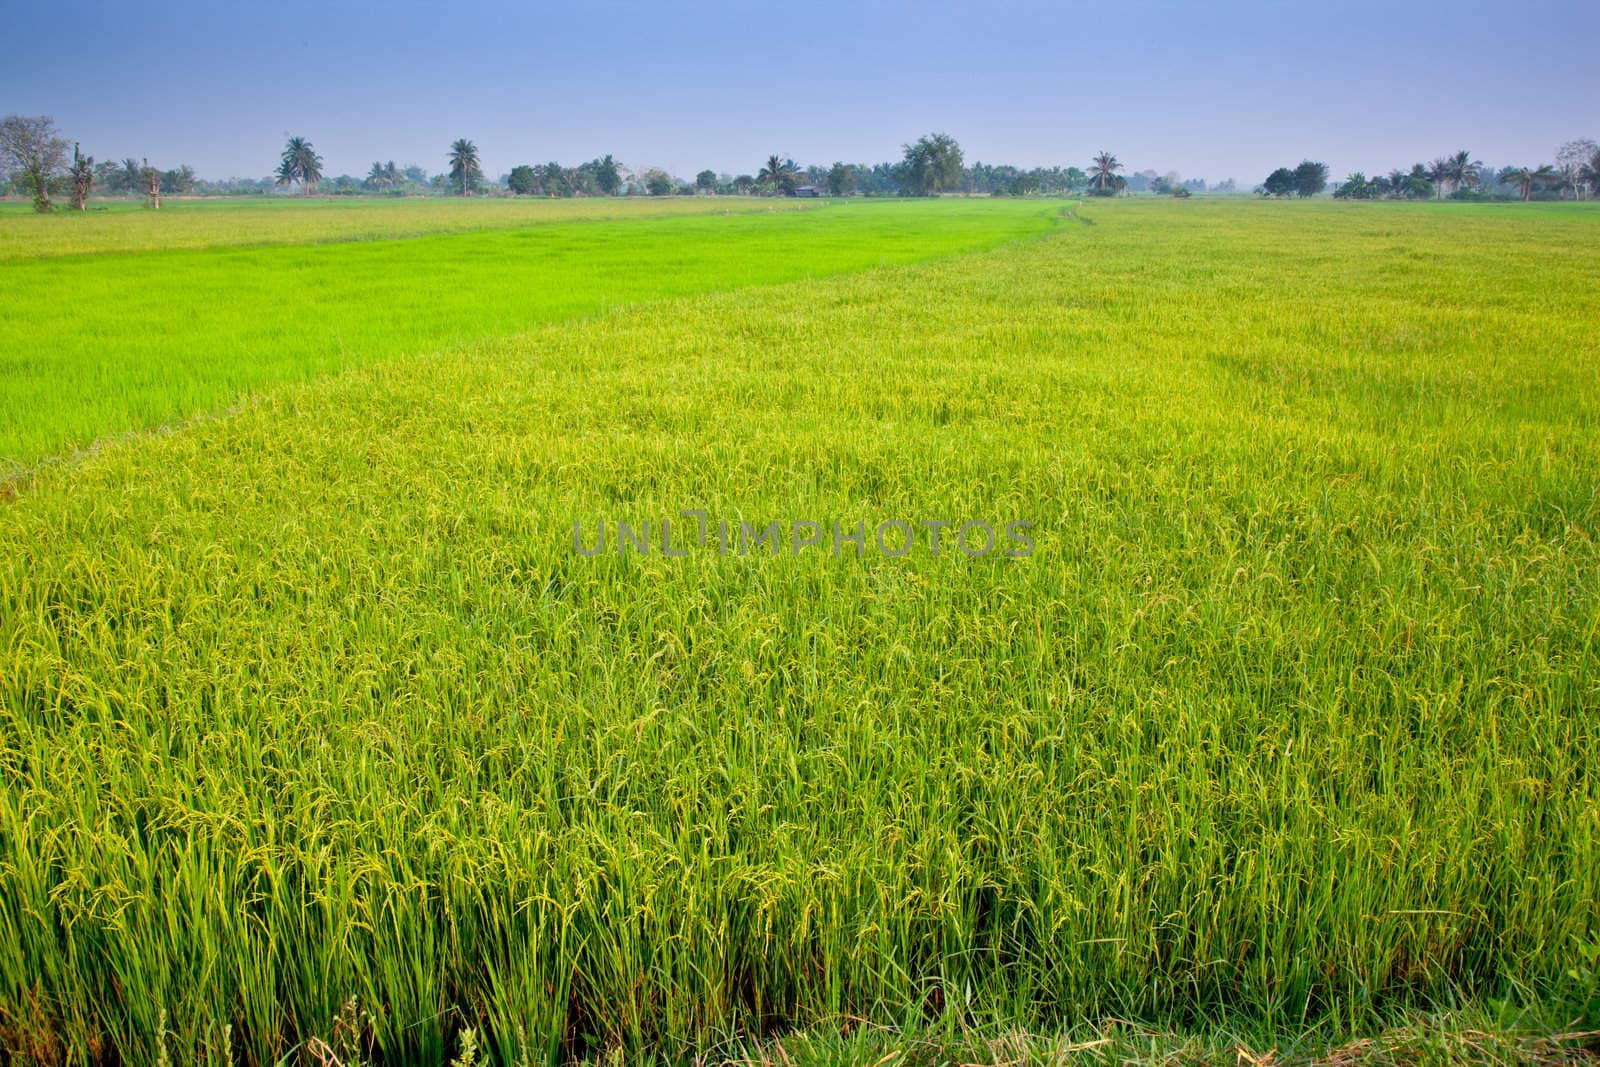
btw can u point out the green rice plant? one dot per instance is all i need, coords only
(1278, 746)
(92, 346)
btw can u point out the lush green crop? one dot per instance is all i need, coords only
(101, 344)
(1288, 724)
(126, 226)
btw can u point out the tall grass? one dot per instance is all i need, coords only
(1288, 724)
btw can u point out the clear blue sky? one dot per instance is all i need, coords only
(1211, 90)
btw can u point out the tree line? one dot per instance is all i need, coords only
(35, 161)
(1575, 175)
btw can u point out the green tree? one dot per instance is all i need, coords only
(34, 151)
(384, 177)
(1103, 177)
(607, 175)
(744, 185)
(1525, 178)
(779, 175)
(1357, 187)
(658, 182)
(523, 180)
(841, 179)
(1462, 171)
(706, 181)
(82, 177)
(179, 181)
(465, 172)
(1279, 183)
(1438, 172)
(1310, 178)
(555, 180)
(108, 176)
(299, 163)
(933, 164)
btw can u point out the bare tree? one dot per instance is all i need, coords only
(82, 175)
(35, 150)
(150, 178)
(1570, 159)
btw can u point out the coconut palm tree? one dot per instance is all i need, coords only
(465, 173)
(1103, 173)
(381, 177)
(779, 173)
(301, 164)
(1463, 170)
(1438, 172)
(1525, 179)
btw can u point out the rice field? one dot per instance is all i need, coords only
(322, 737)
(102, 344)
(126, 226)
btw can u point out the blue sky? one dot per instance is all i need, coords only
(1210, 90)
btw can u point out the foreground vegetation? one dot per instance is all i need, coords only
(318, 735)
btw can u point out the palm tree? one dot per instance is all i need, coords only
(1103, 173)
(1463, 170)
(465, 173)
(1438, 172)
(1525, 179)
(779, 173)
(301, 164)
(378, 177)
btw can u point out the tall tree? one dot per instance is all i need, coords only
(657, 182)
(465, 173)
(779, 175)
(1103, 176)
(1310, 178)
(523, 180)
(1438, 172)
(1419, 183)
(1589, 173)
(132, 177)
(299, 163)
(841, 179)
(706, 181)
(150, 182)
(33, 149)
(179, 181)
(384, 176)
(1462, 171)
(933, 164)
(1570, 159)
(1279, 183)
(82, 177)
(608, 175)
(1525, 178)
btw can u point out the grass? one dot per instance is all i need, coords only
(127, 226)
(318, 732)
(105, 344)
